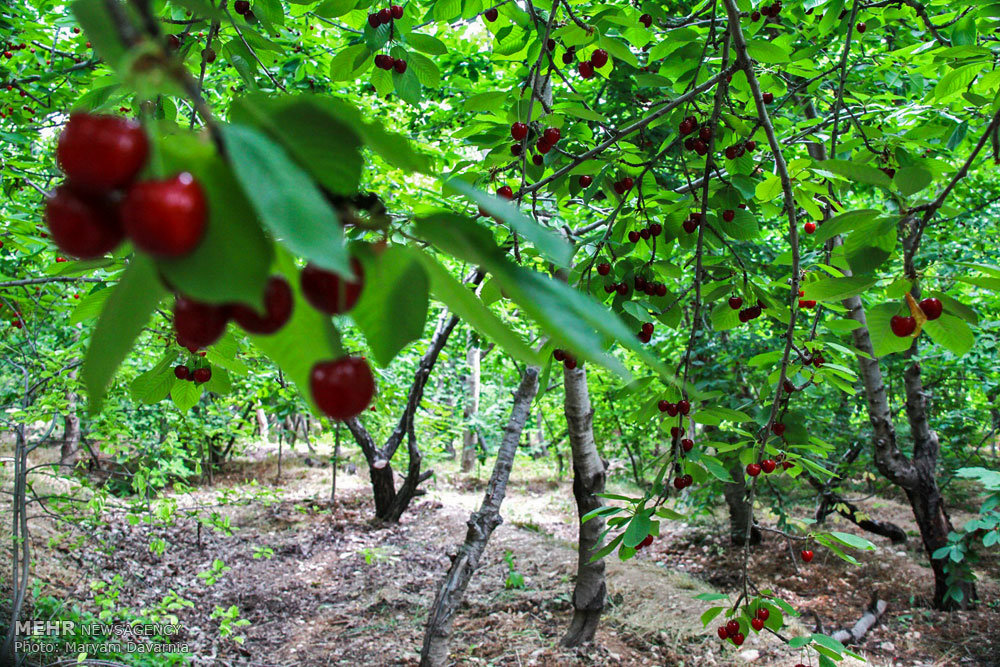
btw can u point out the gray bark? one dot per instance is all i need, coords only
(588, 480)
(740, 512)
(481, 526)
(469, 437)
(262, 424)
(70, 447)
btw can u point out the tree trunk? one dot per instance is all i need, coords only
(471, 403)
(481, 526)
(262, 425)
(740, 512)
(335, 461)
(70, 447)
(588, 481)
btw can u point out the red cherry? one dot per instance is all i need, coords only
(241, 6)
(757, 624)
(599, 58)
(778, 428)
(672, 409)
(810, 227)
(768, 98)
(628, 182)
(755, 16)
(723, 633)
(679, 483)
(519, 131)
(763, 614)
(99, 153)
(81, 226)
(198, 324)
(683, 407)
(646, 20)
(735, 302)
(663, 405)
(167, 217)
(543, 146)
(328, 292)
(491, 14)
(399, 65)
(603, 268)
(705, 133)
(385, 16)
(633, 236)
(729, 215)
(655, 229)
(687, 444)
(181, 372)
(552, 135)
(676, 431)
(278, 303)
(586, 70)
(516, 149)
(396, 11)
(732, 628)
(861, 28)
(686, 127)
(753, 469)
(647, 541)
(768, 465)
(342, 388)
(586, 180)
(731, 153)
(739, 638)
(751, 145)
(807, 555)
(787, 464)
(202, 375)
(208, 53)
(902, 326)
(932, 308)
(647, 328)
(506, 192)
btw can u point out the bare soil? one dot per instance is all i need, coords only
(341, 589)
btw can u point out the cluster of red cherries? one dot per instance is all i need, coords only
(645, 233)
(904, 326)
(771, 10)
(545, 142)
(567, 359)
(385, 16)
(102, 202)
(598, 59)
(805, 303)
(648, 287)
(749, 313)
(199, 375)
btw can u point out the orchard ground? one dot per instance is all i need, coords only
(337, 588)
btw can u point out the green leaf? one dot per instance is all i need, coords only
(951, 333)
(766, 51)
(286, 199)
(320, 143)
(548, 243)
(743, 227)
(407, 86)
(957, 80)
(828, 642)
(638, 529)
(125, 314)
(185, 394)
(883, 340)
(606, 549)
(393, 306)
(911, 180)
(709, 615)
(854, 171)
(853, 541)
(232, 261)
(331, 9)
(428, 44)
(90, 306)
(425, 69)
(843, 223)
(154, 385)
(463, 302)
(836, 289)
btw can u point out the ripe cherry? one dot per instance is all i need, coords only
(552, 135)
(778, 428)
(165, 217)
(647, 541)
(676, 431)
(646, 20)
(278, 302)
(705, 133)
(633, 236)
(722, 632)
(732, 628)
(586, 180)
(686, 127)
(202, 375)
(902, 326)
(396, 11)
(751, 145)
(768, 465)
(739, 638)
(506, 192)
(329, 292)
(198, 324)
(690, 225)
(753, 469)
(342, 388)
(99, 153)
(491, 14)
(663, 405)
(807, 555)
(810, 227)
(647, 328)
(603, 268)
(208, 53)
(932, 308)
(861, 28)
(679, 483)
(385, 16)
(687, 444)
(755, 16)
(81, 226)
(757, 624)
(241, 6)
(399, 65)
(181, 372)
(729, 215)
(735, 302)
(683, 407)
(731, 153)
(768, 98)
(628, 182)
(542, 146)
(586, 70)
(599, 58)
(519, 131)
(763, 614)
